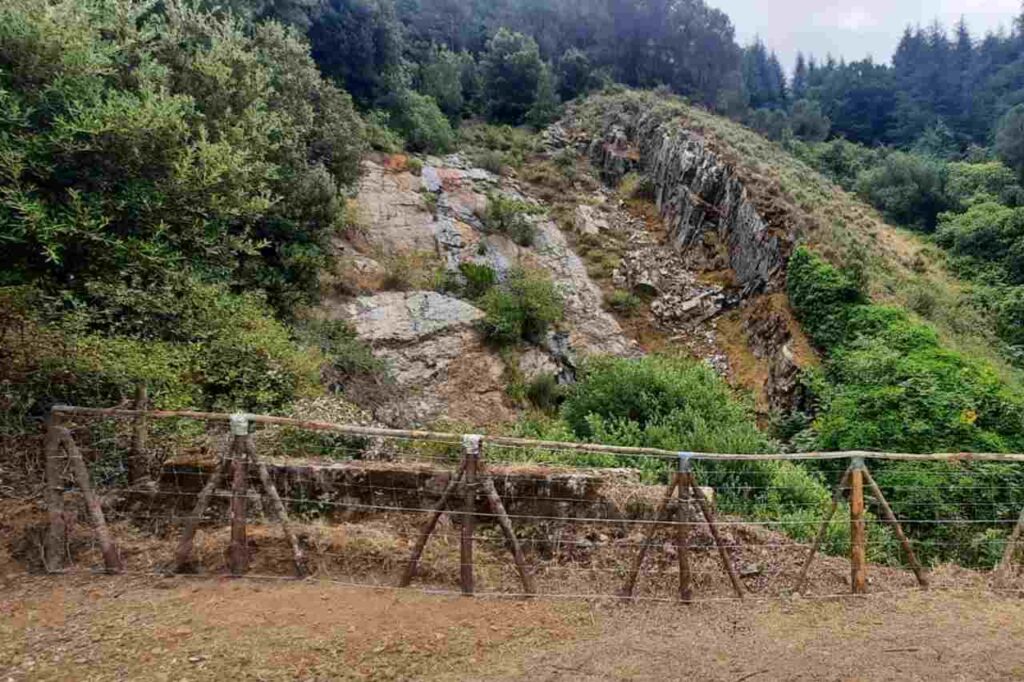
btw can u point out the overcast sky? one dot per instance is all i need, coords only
(855, 28)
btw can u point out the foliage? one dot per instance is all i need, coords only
(419, 121)
(512, 71)
(624, 302)
(358, 43)
(523, 307)
(988, 233)
(1010, 138)
(976, 183)
(807, 121)
(511, 217)
(180, 165)
(544, 392)
(575, 74)
(479, 279)
(909, 190)
(443, 77)
(889, 382)
(546, 106)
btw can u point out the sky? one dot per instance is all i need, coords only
(855, 28)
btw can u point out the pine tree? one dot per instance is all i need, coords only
(801, 78)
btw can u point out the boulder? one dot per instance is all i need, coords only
(401, 317)
(588, 220)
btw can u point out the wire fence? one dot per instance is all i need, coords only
(149, 492)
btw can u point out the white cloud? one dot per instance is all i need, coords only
(849, 19)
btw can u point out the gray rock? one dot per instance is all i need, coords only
(403, 317)
(587, 220)
(697, 194)
(431, 179)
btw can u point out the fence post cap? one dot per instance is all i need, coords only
(240, 424)
(685, 462)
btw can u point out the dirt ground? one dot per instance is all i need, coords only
(87, 627)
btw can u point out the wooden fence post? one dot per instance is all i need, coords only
(138, 463)
(471, 456)
(298, 556)
(56, 534)
(238, 552)
(890, 516)
(111, 556)
(684, 482)
(837, 496)
(858, 539)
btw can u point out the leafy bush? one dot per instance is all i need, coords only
(419, 120)
(624, 302)
(544, 392)
(511, 217)
(479, 279)
(978, 183)
(987, 232)
(523, 307)
(909, 190)
(133, 147)
(889, 383)
(211, 350)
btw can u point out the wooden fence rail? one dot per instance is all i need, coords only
(471, 482)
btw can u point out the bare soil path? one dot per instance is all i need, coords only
(81, 627)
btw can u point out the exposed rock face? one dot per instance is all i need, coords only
(697, 194)
(398, 317)
(771, 340)
(393, 212)
(435, 355)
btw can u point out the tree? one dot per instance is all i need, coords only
(358, 43)
(511, 70)
(801, 78)
(910, 190)
(808, 123)
(441, 79)
(763, 77)
(547, 106)
(575, 74)
(1010, 139)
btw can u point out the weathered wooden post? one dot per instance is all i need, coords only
(138, 463)
(111, 556)
(837, 497)
(858, 539)
(56, 534)
(471, 457)
(684, 482)
(890, 517)
(238, 553)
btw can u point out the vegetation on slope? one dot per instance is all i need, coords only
(168, 185)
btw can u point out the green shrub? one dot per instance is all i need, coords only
(544, 392)
(624, 302)
(479, 279)
(523, 307)
(511, 217)
(975, 183)
(420, 121)
(909, 190)
(821, 296)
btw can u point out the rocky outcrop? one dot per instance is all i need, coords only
(770, 337)
(707, 211)
(435, 355)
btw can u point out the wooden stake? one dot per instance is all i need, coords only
(471, 454)
(428, 529)
(301, 568)
(858, 551)
(683, 537)
(837, 497)
(238, 552)
(111, 557)
(183, 556)
(709, 516)
(54, 548)
(922, 576)
(638, 561)
(498, 509)
(138, 463)
(1006, 565)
